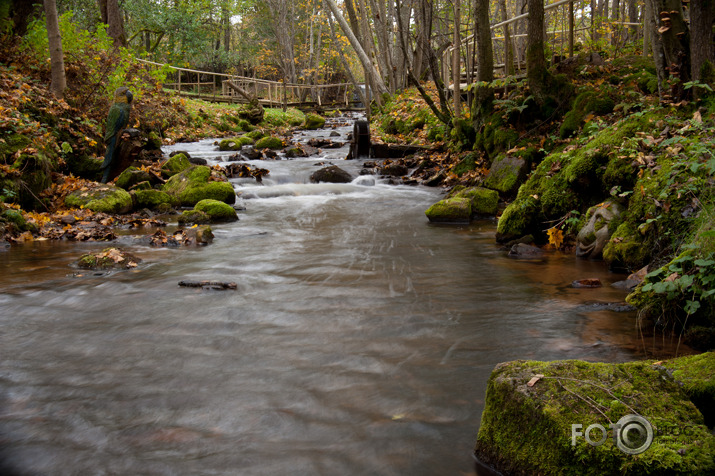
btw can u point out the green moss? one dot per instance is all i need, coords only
(483, 200)
(627, 248)
(696, 374)
(130, 177)
(235, 144)
(18, 221)
(190, 217)
(518, 219)
(255, 134)
(466, 164)
(153, 199)
(104, 198)
(313, 121)
(528, 429)
(506, 174)
(451, 210)
(216, 210)
(269, 143)
(192, 185)
(174, 165)
(109, 258)
(588, 102)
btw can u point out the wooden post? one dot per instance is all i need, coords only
(285, 96)
(178, 71)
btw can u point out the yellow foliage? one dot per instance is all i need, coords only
(556, 237)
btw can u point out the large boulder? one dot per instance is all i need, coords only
(313, 121)
(104, 198)
(484, 201)
(193, 185)
(154, 199)
(217, 211)
(133, 176)
(175, 164)
(269, 142)
(575, 417)
(506, 174)
(332, 174)
(450, 210)
(235, 143)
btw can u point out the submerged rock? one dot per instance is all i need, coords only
(109, 258)
(538, 415)
(524, 251)
(331, 174)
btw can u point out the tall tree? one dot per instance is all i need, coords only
(702, 47)
(112, 17)
(537, 73)
(482, 105)
(57, 63)
(671, 45)
(364, 59)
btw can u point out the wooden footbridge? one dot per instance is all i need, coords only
(227, 88)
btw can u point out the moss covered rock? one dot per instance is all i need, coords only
(190, 217)
(217, 211)
(193, 185)
(104, 198)
(132, 176)
(483, 201)
(109, 258)
(506, 174)
(154, 199)
(234, 144)
(696, 374)
(17, 220)
(313, 121)
(627, 248)
(450, 210)
(269, 143)
(517, 220)
(527, 428)
(174, 165)
(331, 174)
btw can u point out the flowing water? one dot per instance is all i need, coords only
(359, 341)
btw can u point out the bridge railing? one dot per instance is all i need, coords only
(215, 87)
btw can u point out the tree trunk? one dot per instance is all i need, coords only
(112, 17)
(484, 95)
(671, 47)
(366, 63)
(702, 49)
(456, 68)
(57, 63)
(536, 72)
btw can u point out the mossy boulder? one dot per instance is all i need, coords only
(313, 121)
(193, 185)
(589, 102)
(506, 174)
(175, 164)
(450, 210)
(627, 248)
(536, 415)
(255, 134)
(17, 220)
(216, 210)
(236, 143)
(154, 199)
(190, 217)
(517, 220)
(269, 143)
(109, 258)
(132, 176)
(484, 202)
(104, 198)
(696, 374)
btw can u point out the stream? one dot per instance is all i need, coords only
(359, 340)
